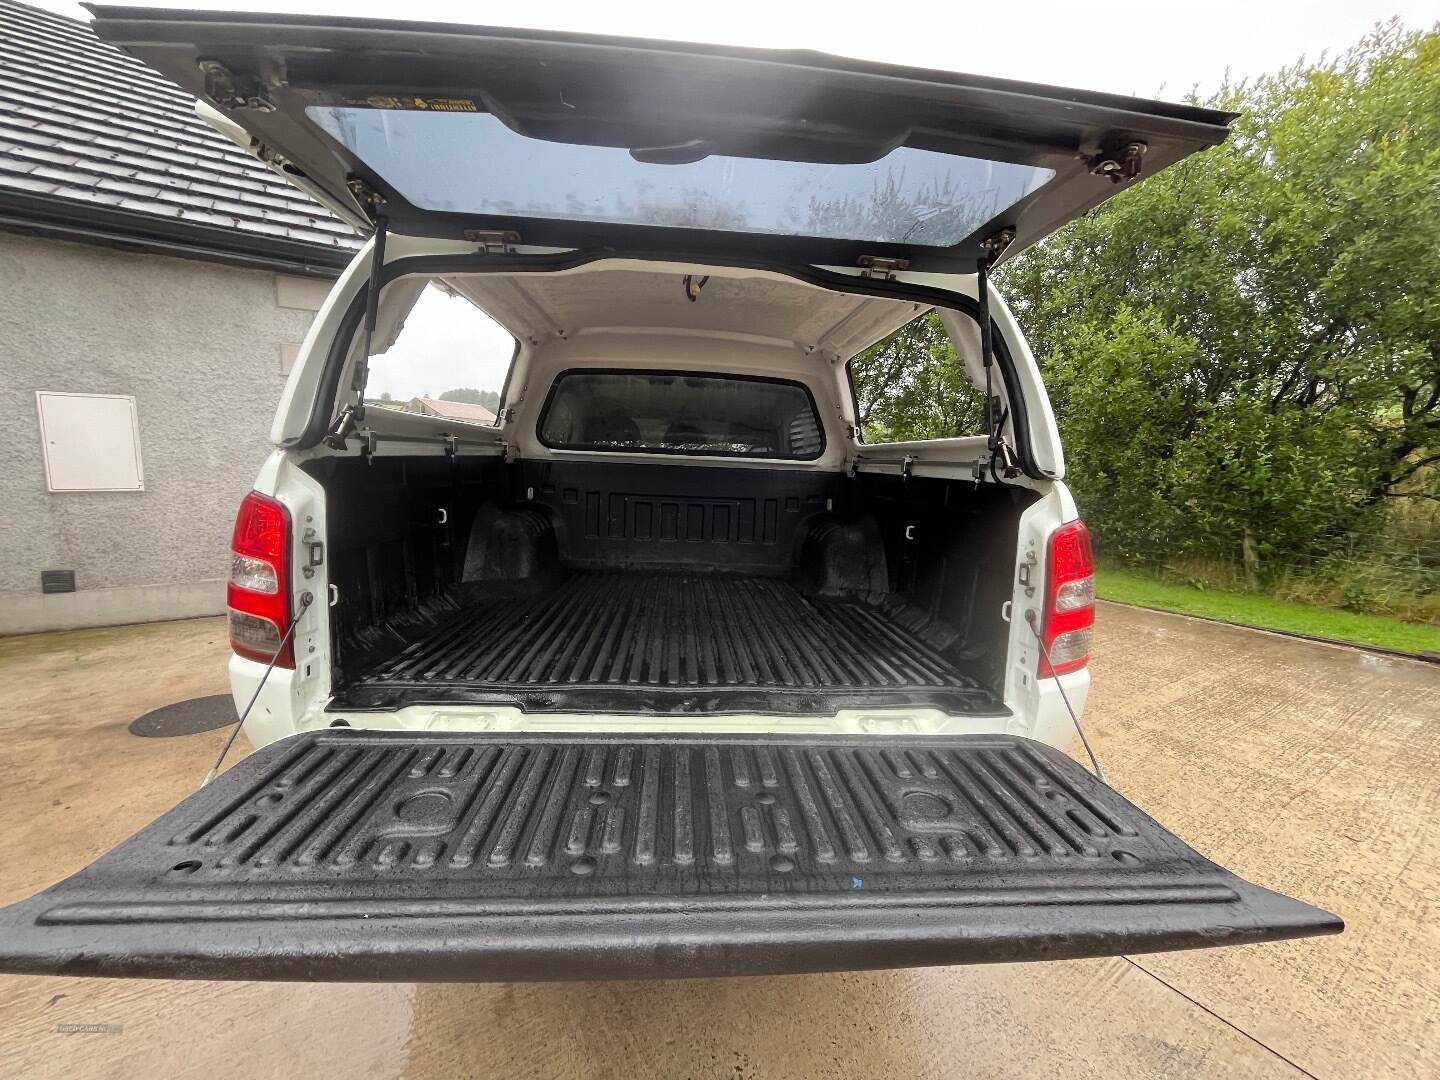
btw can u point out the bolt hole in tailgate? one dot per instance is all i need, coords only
(350, 855)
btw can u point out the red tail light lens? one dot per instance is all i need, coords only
(1069, 600)
(259, 592)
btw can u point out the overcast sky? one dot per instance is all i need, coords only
(1146, 47)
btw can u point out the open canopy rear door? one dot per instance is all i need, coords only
(582, 141)
(383, 855)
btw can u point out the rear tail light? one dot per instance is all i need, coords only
(259, 592)
(1069, 600)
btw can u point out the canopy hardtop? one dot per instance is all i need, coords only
(648, 147)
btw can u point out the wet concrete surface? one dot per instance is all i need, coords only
(1310, 769)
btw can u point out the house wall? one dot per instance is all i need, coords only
(203, 348)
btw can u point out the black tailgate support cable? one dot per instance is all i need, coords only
(355, 413)
(1030, 620)
(306, 599)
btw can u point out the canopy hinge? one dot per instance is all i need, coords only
(881, 267)
(1121, 164)
(368, 199)
(494, 241)
(230, 91)
(994, 246)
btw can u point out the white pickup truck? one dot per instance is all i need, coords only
(667, 672)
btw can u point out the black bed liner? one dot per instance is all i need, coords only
(673, 643)
(388, 855)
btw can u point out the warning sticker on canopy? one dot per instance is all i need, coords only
(408, 102)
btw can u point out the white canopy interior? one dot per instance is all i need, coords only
(732, 303)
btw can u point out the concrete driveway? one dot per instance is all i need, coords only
(1310, 769)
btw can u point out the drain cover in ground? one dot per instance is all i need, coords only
(186, 717)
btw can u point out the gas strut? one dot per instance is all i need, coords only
(1001, 456)
(355, 413)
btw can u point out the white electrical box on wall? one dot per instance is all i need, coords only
(91, 442)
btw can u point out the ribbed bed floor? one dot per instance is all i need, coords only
(688, 643)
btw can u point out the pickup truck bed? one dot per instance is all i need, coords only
(673, 643)
(629, 589)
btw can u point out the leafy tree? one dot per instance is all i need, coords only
(912, 386)
(1295, 271)
(1160, 471)
(1246, 345)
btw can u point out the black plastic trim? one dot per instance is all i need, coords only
(505, 384)
(855, 399)
(389, 695)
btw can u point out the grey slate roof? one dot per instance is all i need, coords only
(90, 135)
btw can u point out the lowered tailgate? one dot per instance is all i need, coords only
(371, 855)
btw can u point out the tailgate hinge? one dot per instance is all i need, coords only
(230, 91)
(494, 241)
(881, 267)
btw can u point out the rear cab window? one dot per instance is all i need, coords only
(681, 412)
